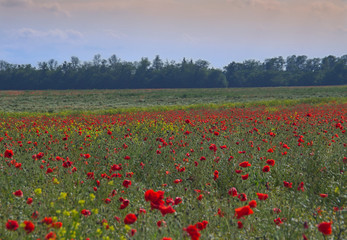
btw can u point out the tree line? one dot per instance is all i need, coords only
(113, 73)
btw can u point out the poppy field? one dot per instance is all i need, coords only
(255, 172)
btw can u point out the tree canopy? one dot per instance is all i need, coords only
(113, 73)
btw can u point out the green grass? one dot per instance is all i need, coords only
(123, 100)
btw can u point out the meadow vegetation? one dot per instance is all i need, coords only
(55, 101)
(266, 163)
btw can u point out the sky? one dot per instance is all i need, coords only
(218, 31)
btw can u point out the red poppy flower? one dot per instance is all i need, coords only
(35, 215)
(51, 236)
(239, 224)
(67, 164)
(178, 200)
(166, 209)
(243, 211)
(271, 162)
(278, 221)
(90, 175)
(132, 232)
(18, 193)
(266, 168)
(49, 170)
(8, 153)
(285, 146)
(242, 197)
(86, 212)
(323, 195)
(245, 164)
(130, 219)
(325, 228)
(287, 184)
(124, 204)
(213, 147)
(126, 183)
(276, 210)
(232, 192)
(252, 204)
(301, 187)
(244, 177)
(29, 226)
(215, 175)
(262, 196)
(57, 225)
(220, 213)
(153, 196)
(160, 223)
(142, 210)
(129, 174)
(201, 225)
(200, 197)
(40, 155)
(12, 225)
(193, 232)
(337, 209)
(29, 201)
(47, 220)
(177, 181)
(270, 150)
(116, 167)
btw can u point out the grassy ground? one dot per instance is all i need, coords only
(96, 100)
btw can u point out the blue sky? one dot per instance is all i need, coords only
(219, 31)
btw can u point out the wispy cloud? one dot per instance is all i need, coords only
(53, 7)
(115, 34)
(54, 35)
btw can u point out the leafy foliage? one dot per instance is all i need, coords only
(116, 74)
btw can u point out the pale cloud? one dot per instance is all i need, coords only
(115, 34)
(54, 35)
(55, 8)
(51, 6)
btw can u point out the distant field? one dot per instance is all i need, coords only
(53, 101)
